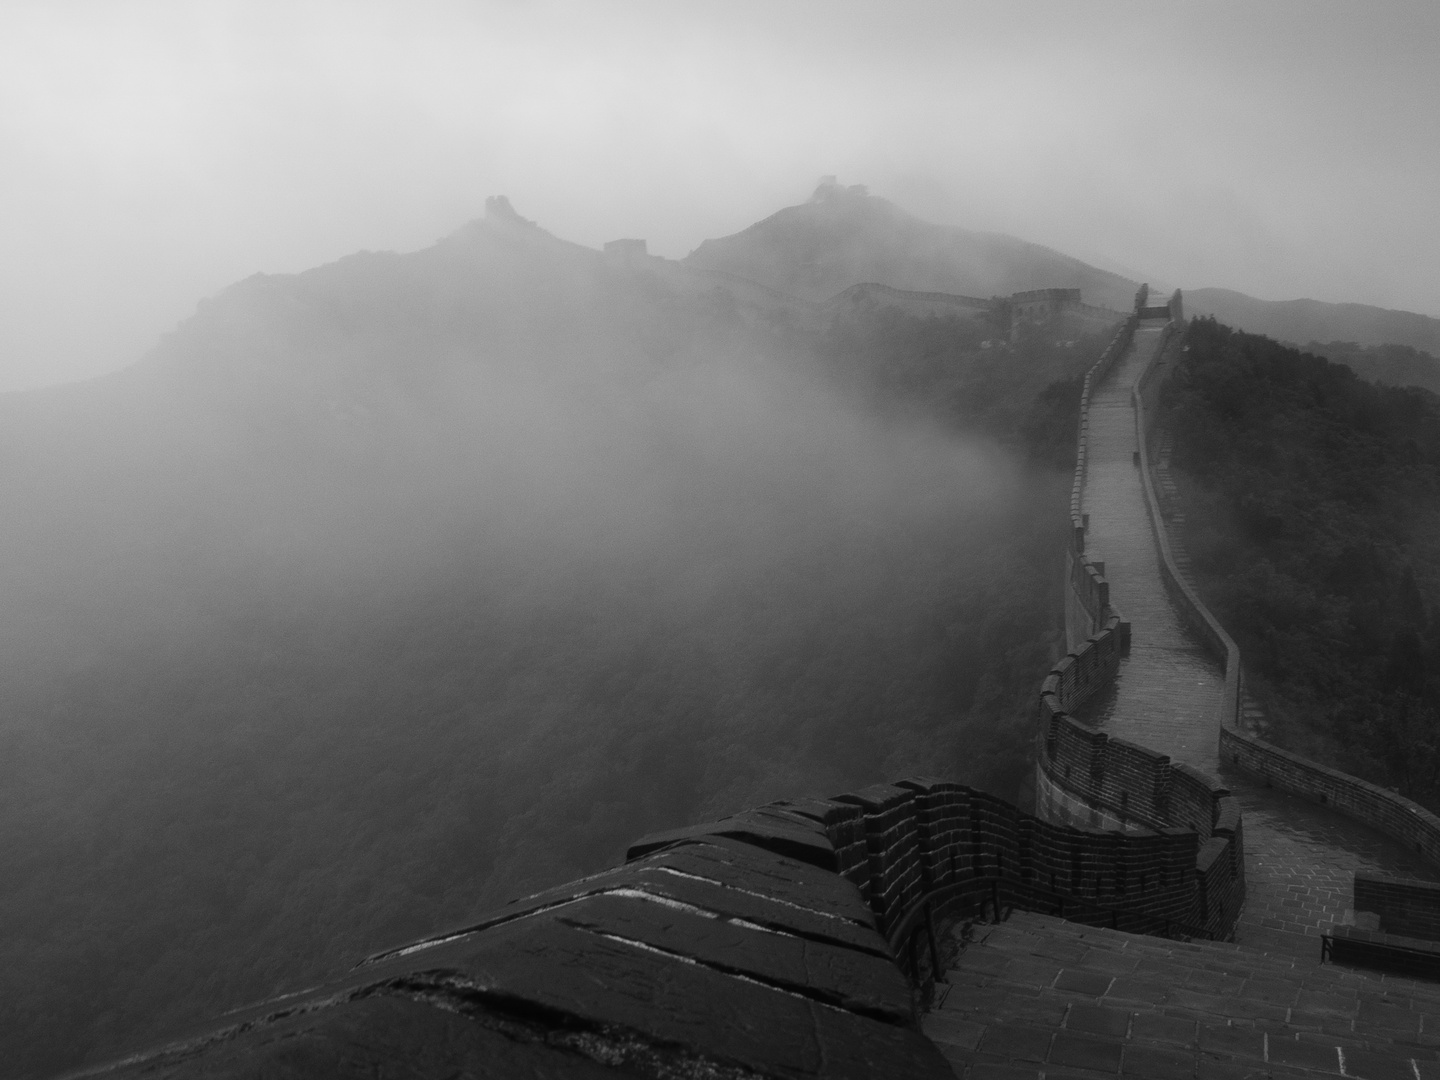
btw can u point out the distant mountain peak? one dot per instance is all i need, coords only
(499, 210)
(844, 236)
(830, 190)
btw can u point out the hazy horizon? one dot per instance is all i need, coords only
(160, 151)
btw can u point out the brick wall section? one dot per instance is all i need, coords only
(892, 844)
(1406, 907)
(897, 842)
(942, 825)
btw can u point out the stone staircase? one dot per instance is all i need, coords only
(1038, 997)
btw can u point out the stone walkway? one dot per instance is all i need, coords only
(1300, 858)
(1167, 696)
(1037, 997)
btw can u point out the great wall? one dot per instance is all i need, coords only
(1179, 906)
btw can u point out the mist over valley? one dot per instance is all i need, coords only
(373, 555)
(379, 594)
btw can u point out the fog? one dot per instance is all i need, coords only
(365, 590)
(376, 595)
(154, 152)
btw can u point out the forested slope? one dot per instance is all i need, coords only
(1396, 365)
(1312, 502)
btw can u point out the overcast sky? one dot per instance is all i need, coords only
(153, 152)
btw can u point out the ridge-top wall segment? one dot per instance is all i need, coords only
(1087, 595)
(1085, 777)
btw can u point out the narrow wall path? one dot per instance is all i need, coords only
(1167, 695)
(1300, 858)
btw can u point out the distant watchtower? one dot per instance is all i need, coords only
(625, 250)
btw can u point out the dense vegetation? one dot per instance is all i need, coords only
(423, 631)
(1396, 365)
(1313, 518)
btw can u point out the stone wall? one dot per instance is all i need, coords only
(1086, 778)
(1405, 906)
(899, 843)
(916, 302)
(1378, 807)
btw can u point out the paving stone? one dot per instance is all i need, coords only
(1221, 1036)
(1157, 1027)
(1215, 982)
(1102, 960)
(1388, 1017)
(1329, 1038)
(1021, 1042)
(1158, 1062)
(1195, 999)
(1004, 1072)
(946, 1029)
(1148, 991)
(1371, 1066)
(1230, 1040)
(1083, 982)
(1098, 1020)
(1209, 1067)
(1304, 1055)
(1316, 1001)
(1033, 970)
(1086, 1051)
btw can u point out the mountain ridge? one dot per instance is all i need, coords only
(843, 236)
(1302, 321)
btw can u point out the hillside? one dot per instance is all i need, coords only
(1394, 365)
(843, 237)
(383, 592)
(1301, 321)
(1312, 512)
